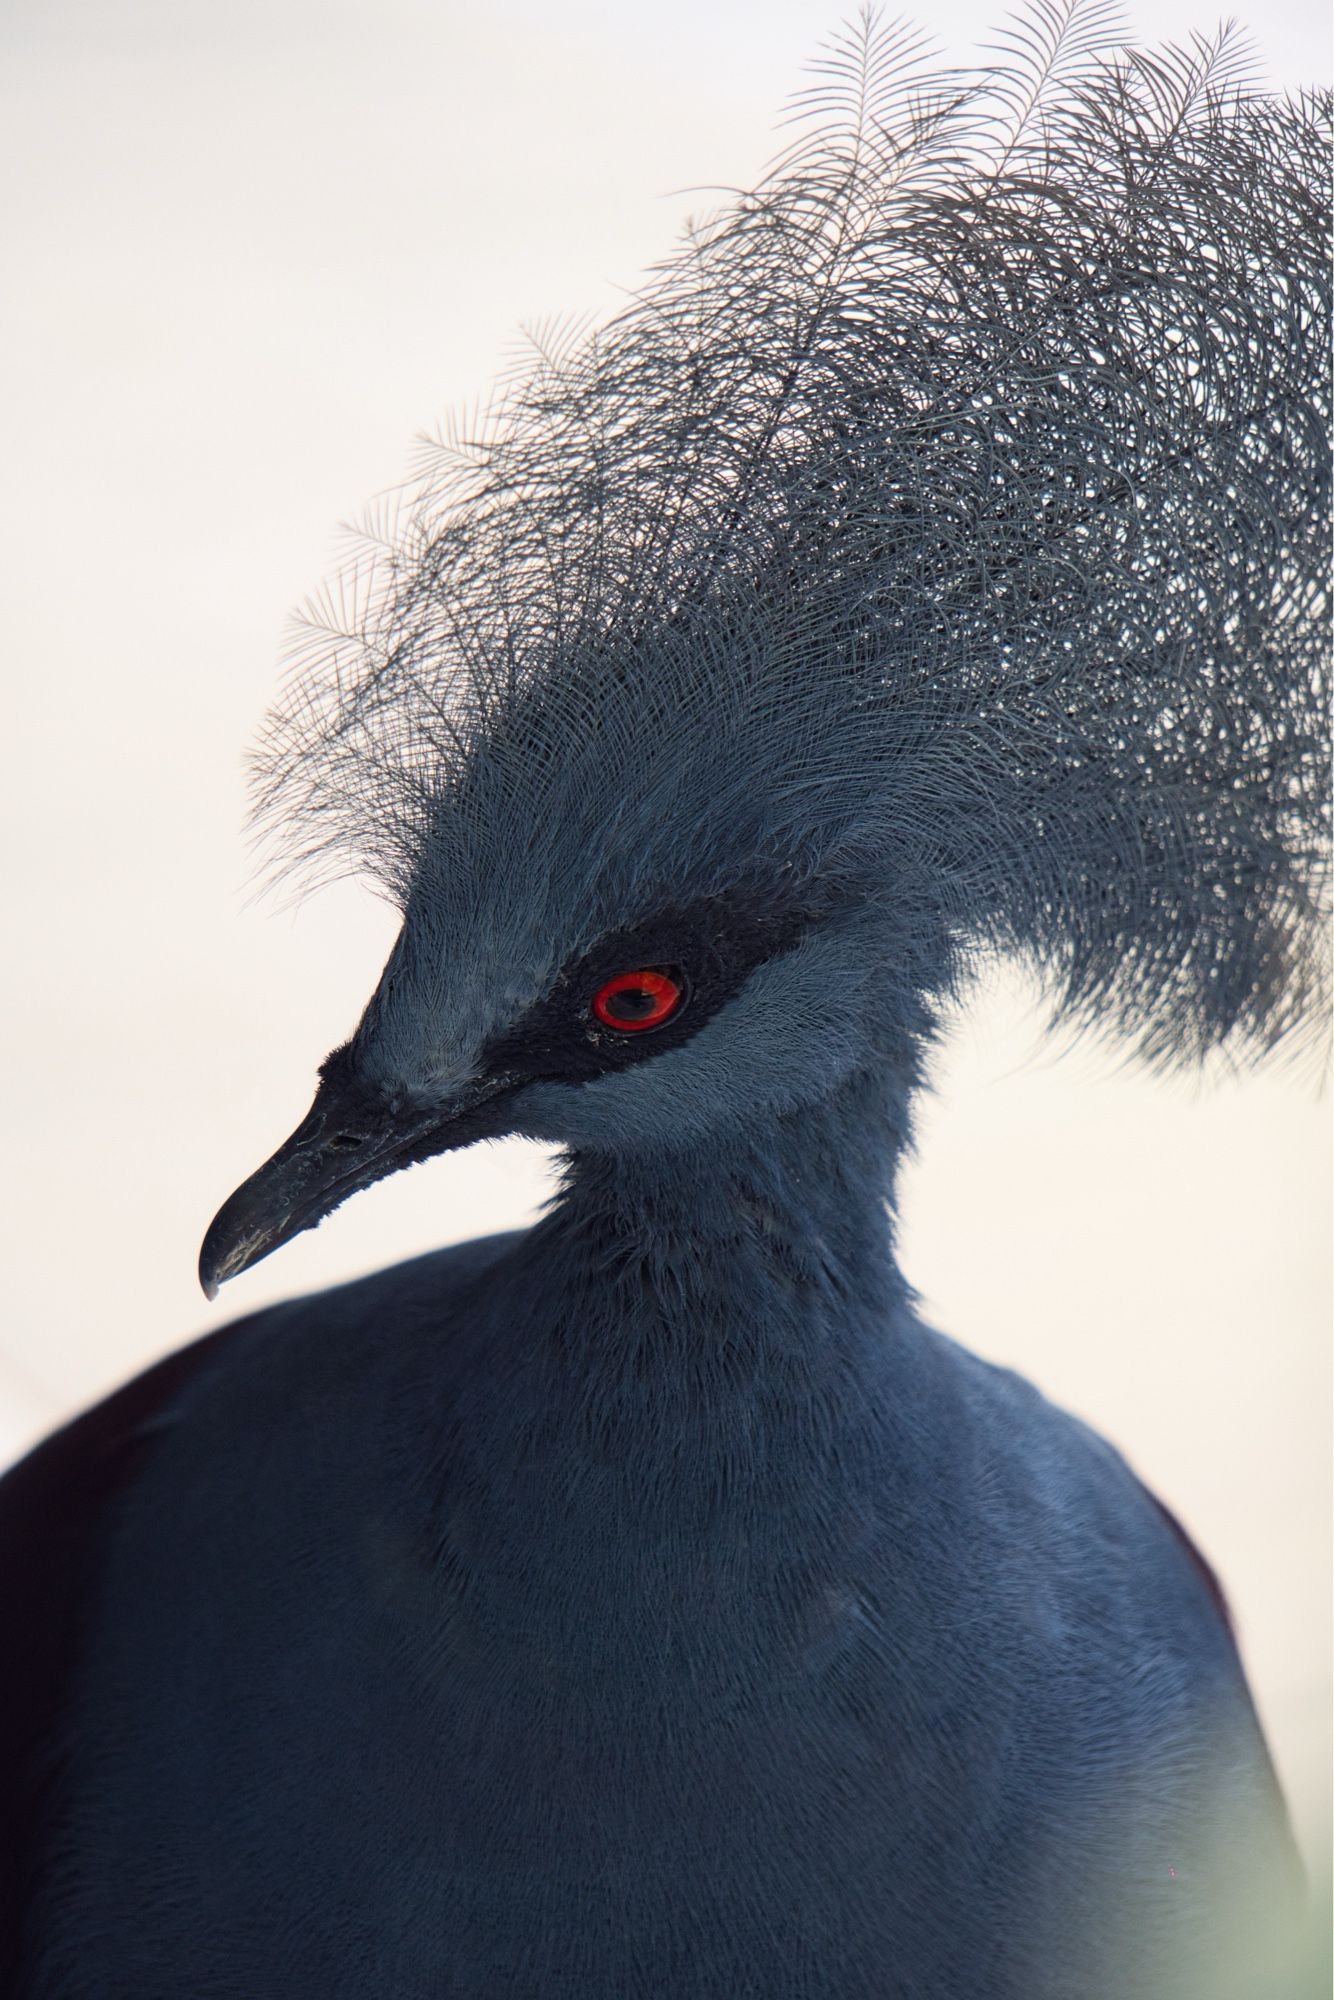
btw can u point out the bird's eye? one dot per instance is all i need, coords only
(633, 1001)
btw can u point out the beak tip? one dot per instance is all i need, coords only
(209, 1286)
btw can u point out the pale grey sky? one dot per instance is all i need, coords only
(251, 251)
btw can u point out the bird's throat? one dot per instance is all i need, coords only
(788, 1222)
(685, 1435)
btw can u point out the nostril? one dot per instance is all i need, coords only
(344, 1142)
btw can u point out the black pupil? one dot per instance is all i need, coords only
(631, 1003)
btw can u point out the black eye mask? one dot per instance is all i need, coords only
(709, 950)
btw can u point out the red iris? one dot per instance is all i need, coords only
(633, 1001)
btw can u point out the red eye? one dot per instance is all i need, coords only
(633, 1001)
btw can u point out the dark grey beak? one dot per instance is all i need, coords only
(352, 1136)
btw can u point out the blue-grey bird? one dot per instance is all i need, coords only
(928, 564)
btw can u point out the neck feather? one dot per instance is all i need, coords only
(688, 1382)
(769, 1249)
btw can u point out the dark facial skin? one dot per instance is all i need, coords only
(710, 950)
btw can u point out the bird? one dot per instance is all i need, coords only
(924, 569)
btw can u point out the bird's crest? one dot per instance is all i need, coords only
(949, 513)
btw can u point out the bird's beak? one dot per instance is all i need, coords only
(351, 1136)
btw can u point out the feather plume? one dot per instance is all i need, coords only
(970, 476)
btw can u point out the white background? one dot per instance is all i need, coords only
(252, 251)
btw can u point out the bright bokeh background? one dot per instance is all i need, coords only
(251, 251)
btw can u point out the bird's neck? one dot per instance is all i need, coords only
(689, 1378)
(798, 1206)
(752, 1279)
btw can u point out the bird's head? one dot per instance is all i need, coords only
(623, 940)
(931, 559)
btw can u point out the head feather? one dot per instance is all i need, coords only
(948, 515)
